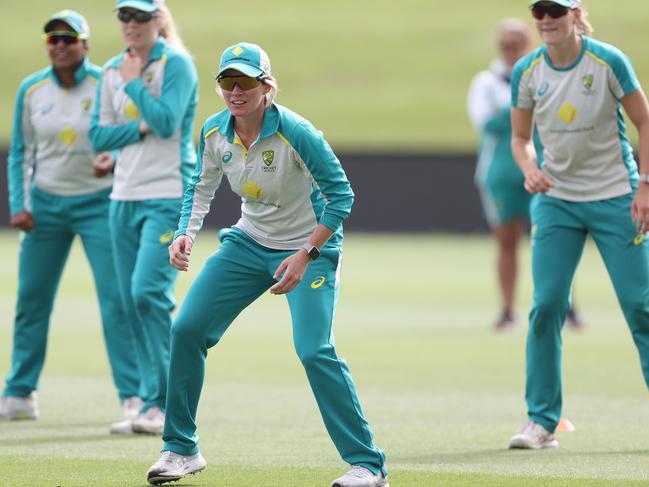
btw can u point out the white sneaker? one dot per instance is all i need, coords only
(17, 408)
(172, 466)
(132, 406)
(359, 476)
(122, 427)
(151, 422)
(533, 436)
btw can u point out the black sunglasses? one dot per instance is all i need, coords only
(555, 11)
(57, 36)
(139, 16)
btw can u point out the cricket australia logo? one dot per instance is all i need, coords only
(268, 156)
(588, 84)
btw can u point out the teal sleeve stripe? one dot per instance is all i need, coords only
(164, 115)
(110, 137)
(522, 65)
(500, 122)
(619, 63)
(16, 159)
(20, 145)
(325, 168)
(190, 189)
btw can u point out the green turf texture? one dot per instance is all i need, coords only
(442, 391)
(371, 74)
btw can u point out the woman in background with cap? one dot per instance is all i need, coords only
(55, 195)
(295, 196)
(574, 88)
(145, 109)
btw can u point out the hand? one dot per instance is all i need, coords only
(130, 67)
(293, 268)
(536, 181)
(143, 128)
(22, 220)
(103, 164)
(179, 252)
(640, 208)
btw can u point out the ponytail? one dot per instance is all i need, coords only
(169, 31)
(583, 26)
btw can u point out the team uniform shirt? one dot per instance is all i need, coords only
(49, 144)
(578, 114)
(165, 95)
(489, 104)
(289, 180)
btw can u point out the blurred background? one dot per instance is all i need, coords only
(386, 82)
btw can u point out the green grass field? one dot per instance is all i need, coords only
(370, 74)
(442, 391)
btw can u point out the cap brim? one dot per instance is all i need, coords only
(48, 26)
(242, 68)
(563, 3)
(143, 6)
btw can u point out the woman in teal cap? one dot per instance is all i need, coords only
(145, 110)
(295, 196)
(574, 88)
(55, 194)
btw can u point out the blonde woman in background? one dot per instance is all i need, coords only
(505, 202)
(145, 110)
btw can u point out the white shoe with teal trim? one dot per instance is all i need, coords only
(152, 422)
(359, 476)
(533, 436)
(19, 408)
(132, 406)
(172, 466)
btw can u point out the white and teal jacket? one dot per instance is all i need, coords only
(578, 114)
(289, 180)
(157, 165)
(49, 140)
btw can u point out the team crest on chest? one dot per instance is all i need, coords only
(86, 103)
(588, 81)
(268, 156)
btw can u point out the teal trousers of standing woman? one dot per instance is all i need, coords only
(559, 232)
(237, 274)
(140, 232)
(43, 253)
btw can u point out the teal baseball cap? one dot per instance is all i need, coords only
(143, 5)
(75, 20)
(247, 58)
(563, 3)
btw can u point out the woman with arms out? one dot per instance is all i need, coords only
(574, 88)
(295, 196)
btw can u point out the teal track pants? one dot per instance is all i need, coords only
(237, 274)
(140, 233)
(559, 232)
(43, 253)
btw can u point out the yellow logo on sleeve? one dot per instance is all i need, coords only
(68, 136)
(318, 282)
(131, 111)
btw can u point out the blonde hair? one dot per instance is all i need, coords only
(515, 25)
(270, 96)
(583, 26)
(168, 29)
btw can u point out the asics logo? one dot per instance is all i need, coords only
(318, 282)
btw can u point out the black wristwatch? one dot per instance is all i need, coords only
(312, 250)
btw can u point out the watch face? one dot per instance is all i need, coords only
(314, 253)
